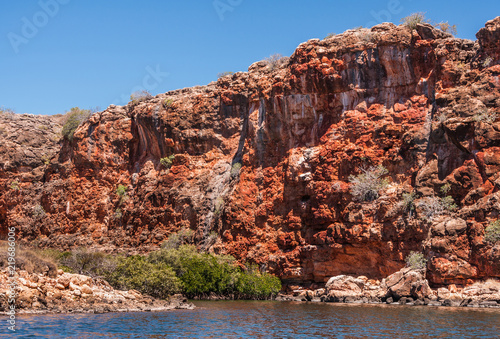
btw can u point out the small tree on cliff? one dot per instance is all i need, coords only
(366, 185)
(414, 19)
(416, 260)
(73, 119)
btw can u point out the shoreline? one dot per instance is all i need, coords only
(405, 287)
(67, 293)
(74, 293)
(418, 302)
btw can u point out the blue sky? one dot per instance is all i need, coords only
(58, 54)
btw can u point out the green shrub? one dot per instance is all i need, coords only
(167, 161)
(408, 203)
(121, 191)
(45, 159)
(366, 186)
(171, 270)
(203, 273)
(416, 260)
(15, 185)
(492, 233)
(223, 74)
(330, 35)
(255, 285)
(448, 203)
(118, 213)
(72, 120)
(136, 272)
(167, 103)
(235, 169)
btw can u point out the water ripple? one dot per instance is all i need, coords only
(258, 319)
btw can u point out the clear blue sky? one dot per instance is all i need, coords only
(90, 53)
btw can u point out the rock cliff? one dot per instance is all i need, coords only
(262, 159)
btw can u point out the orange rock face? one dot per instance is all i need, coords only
(263, 159)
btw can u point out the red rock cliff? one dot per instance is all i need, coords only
(421, 103)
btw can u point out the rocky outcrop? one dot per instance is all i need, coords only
(406, 287)
(263, 160)
(75, 293)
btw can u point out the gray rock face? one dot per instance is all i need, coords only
(28, 141)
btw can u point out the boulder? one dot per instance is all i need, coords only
(407, 283)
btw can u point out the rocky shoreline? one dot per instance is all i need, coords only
(75, 293)
(405, 287)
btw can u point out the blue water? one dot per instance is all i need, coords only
(260, 319)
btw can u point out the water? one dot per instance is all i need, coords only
(260, 319)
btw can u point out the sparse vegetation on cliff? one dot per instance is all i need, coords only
(167, 161)
(72, 120)
(223, 74)
(414, 19)
(6, 110)
(366, 185)
(38, 212)
(492, 233)
(416, 260)
(15, 185)
(167, 103)
(175, 240)
(235, 169)
(487, 62)
(121, 191)
(275, 61)
(139, 96)
(446, 27)
(434, 206)
(408, 203)
(485, 116)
